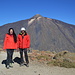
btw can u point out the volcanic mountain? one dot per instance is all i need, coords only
(45, 33)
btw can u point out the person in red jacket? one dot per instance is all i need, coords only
(10, 43)
(23, 45)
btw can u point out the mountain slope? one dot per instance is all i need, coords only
(45, 33)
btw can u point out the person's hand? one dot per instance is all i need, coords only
(17, 49)
(4, 49)
(28, 49)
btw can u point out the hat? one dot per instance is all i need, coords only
(23, 29)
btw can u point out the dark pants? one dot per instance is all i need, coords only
(25, 55)
(9, 56)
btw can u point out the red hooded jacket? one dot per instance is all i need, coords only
(23, 41)
(9, 42)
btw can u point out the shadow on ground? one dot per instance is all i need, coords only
(17, 60)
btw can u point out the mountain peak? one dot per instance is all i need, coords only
(36, 16)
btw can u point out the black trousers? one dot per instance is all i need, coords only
(25, 55)
(9, 56)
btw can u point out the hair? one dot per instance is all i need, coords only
(14, 35)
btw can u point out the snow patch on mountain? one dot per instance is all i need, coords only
(30, 21)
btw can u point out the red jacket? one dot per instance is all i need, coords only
(9, 42)
(23, 42)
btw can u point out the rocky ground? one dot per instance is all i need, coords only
(36, 67)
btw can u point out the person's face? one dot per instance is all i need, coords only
(11, 31)
(22, 31)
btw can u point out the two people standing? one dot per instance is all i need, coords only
(12, 42)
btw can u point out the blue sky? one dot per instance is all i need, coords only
(16, 10)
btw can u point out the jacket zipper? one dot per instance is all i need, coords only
(22, 41)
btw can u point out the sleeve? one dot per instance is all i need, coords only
(5, 42)
(28, 41)
(18, 41)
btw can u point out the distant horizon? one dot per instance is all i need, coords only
(17, 10)
(31, 17)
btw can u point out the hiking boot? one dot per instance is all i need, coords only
(7, 66)
(27, 65)
(10, 65)
(22, 64)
